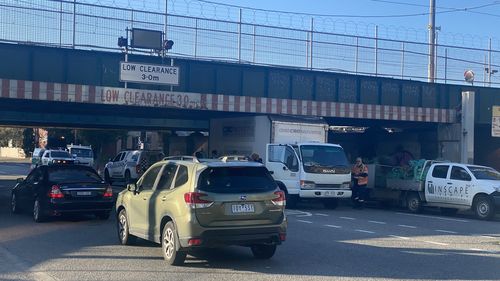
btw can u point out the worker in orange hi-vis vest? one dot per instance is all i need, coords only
(360, 180)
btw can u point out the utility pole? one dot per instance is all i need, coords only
(432, 38)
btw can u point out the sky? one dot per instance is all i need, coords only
(465, 22)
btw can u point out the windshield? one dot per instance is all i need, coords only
(484, 173)
(60, 154)
(236, 180)
(65, 174)
(323, 156)
(82, 152)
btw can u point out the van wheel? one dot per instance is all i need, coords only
(107, 178)
(292, 201)
(170, 245)
(331, 203)
(413, 203)
(483, 207)
(263, 251)
(448, 211)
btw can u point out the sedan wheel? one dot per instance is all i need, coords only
(170, 246)
(123, 229)
(38, 211)
(13, 204)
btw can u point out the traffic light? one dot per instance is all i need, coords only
(122, 42)
(167, 44)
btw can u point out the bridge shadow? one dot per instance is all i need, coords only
(85, 240)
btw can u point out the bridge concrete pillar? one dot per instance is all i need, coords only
(467, 124)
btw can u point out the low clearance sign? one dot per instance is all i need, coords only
(149, 73)
(150, 98)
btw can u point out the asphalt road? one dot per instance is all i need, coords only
(342, 244)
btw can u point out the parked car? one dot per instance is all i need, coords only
(83, 155)
(58, 189)
(36, 157)
(201, 205)
(130, 165)
(51, 157)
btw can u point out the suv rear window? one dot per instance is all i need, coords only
(236, 180)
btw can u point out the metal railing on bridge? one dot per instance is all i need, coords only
(85, 25)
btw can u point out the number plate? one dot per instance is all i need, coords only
(83, 193)
(242, 208)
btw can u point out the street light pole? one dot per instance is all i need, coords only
(432, 38)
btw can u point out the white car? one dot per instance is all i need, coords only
(130, 165)
(53, 157)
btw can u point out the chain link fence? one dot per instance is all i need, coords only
(206, 30)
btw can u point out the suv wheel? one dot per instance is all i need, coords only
(14, 207)
(263, 251)
(107, 178)
(38, 211)
(123, 229)
(170, 245)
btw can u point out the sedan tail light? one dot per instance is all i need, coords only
(281, 199)
(108, 192)
(55, 192)
(194, 201)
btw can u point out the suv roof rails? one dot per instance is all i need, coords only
(183, 158)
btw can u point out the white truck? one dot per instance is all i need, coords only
(82, 154)
(446, 185)
(294, 150)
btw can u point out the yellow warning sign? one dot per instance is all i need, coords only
(495, 121)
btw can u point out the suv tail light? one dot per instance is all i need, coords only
(194, 201)
(281, 199)
(138, 169)
(55, 192)
(108, 192)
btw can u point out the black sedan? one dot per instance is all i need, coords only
(58, 189)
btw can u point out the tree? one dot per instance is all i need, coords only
(28, 141)
(14, 134)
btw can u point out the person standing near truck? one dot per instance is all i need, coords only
(360, 180)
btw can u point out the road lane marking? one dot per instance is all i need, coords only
(400, 237)
(487, 237)
(305, 221)
(407, 226)
(333, 226)
(432, 217)
(378, 222)
(347, 218)
(364, 231)
(446, 231)
(436, 243)
(323, 215)
(475, 249)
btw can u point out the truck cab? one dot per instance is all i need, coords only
(310, 170)
(456, 186)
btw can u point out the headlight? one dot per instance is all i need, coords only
(307, 184)
(345, 185)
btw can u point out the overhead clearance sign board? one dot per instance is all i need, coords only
(495, 121)
(149, 73)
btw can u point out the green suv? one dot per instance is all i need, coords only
(185, 205)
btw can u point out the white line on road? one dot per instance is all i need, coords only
(305, 221)
(347, 218)
(436, 243)
(378, 222)
(333, 226)
(487, 237)
(364, 231)
(407, 226)
(475, 249)
(400, 237)
(432, 217)
(323, 215)
(446, 231)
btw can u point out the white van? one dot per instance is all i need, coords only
(83, 155)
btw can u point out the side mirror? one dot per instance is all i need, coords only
(19, 180)
(284, 168)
